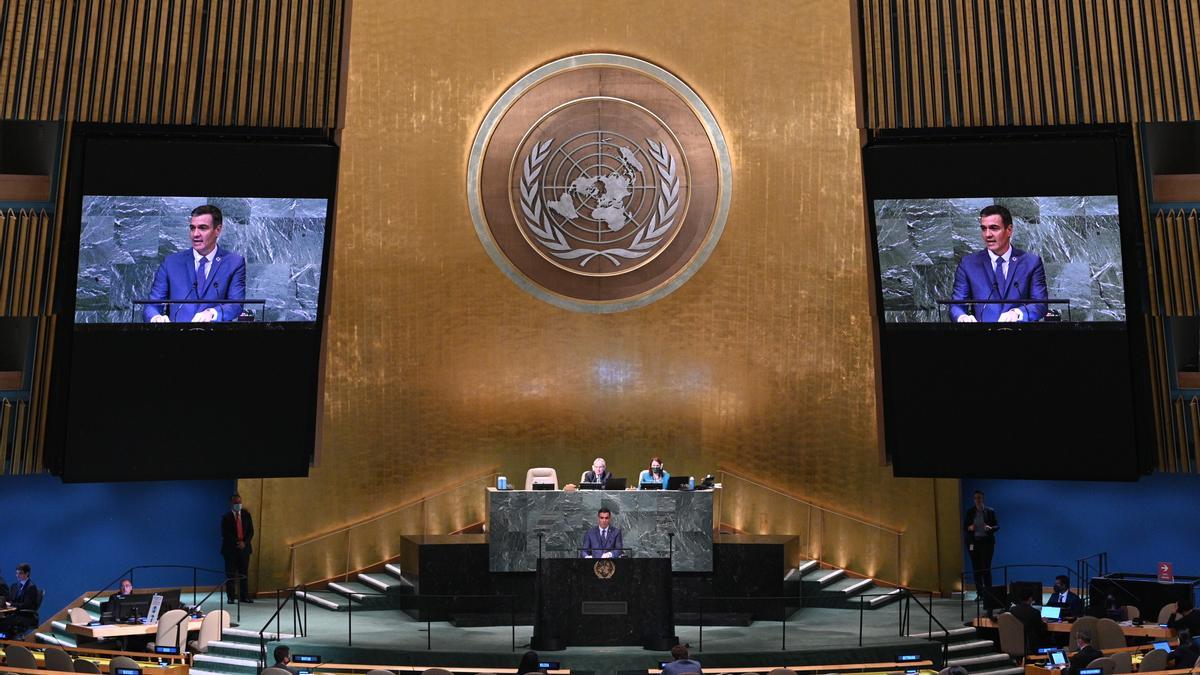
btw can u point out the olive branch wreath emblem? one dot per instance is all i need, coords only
(551, 236)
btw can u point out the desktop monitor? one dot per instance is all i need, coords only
(543, 486)
(1058, 657)
(129, 607)
(616, 484)
(678, 482)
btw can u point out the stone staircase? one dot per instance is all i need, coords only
(236, 653)
(382, 588)
(978, 656)
(825, 586)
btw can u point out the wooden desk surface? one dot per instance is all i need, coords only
(112, 630)
(327, 667)
(1150, 630)
(178, 669)
(923, 666)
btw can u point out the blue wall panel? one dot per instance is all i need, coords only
(1137, 524)
(79, 537)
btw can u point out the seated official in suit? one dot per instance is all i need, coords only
(657, 473)
(999, 272)
(598, 474)
(1185, 617)
(1035, 628)
(1185, 655)
(603, 540)
(1086, 654)
(283, 659)
(1072, 606)
(206, 272)
(23, 596)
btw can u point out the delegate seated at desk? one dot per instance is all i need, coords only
(1031, 619)
(1185, 617)
(24, 597)
(1086, 654)
(598, 474)
(604, 539)
(1072, 606)
(657, 473)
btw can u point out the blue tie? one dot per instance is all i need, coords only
(200, 277)
(1000, 273)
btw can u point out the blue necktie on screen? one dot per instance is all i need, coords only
(1000, 273)
(200, 276)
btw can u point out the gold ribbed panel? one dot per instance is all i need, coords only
(25, 262)
(274, 63)
(1174, 246)
(439, 367)
(954, 63)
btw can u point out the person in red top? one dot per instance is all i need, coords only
(237, 529)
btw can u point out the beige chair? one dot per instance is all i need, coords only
(172, 631)
(1166, 612)
(57, 660)
(1084, 624)
(1132, 612)
(1124, 661)
(122, 662)
(211, 629)
(1154, 661)
(378, 671)
(1108, 635)
(85, 666)
(19, 657)
(781, 671)
(79, 615)
(439, 671)
(1106, 665)
(1012, 636)
(540, 474)
(274, 671)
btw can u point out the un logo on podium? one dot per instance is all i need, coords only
(604, 568)
(599, 182)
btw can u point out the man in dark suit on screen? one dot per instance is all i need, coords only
(206, 272)
(603, 540)
(237, 529)
(999, 272)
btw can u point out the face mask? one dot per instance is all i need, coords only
(237, 508)
(658, 470)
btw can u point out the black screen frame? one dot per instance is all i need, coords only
(102, 426)
(919, 361)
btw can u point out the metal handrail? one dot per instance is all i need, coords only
(299, 626)
(294, 548)
(962, 582)
(392, 511)
(903, 617)
(840, 514)
(195, 585)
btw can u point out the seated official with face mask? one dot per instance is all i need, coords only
(655, 475)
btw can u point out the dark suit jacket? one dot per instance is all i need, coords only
(27, 599)
(1083, 657)
(1073, 607)
(595, 547)
(591, 477)
(229, 532)
(975, 279)
(989, 518)
(176, 280)
(1035, 628)
(1189, 622)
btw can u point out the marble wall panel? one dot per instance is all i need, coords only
(646, 519)
(123, 240)
(1078, 238)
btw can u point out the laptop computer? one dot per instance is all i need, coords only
(1051, 613)
(591, 486)
(543, 486)
(1058, 657)
(616, 484)
(1165, 646)
(678, 482)
(650, 486)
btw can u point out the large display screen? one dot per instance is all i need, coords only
(1009, 294)
(1059, 259)
(261, 259)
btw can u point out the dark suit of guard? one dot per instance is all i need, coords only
(237, 560)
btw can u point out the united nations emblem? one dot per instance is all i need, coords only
(592, 168)
(604, 569)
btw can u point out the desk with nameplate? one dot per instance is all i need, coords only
(119, 630)
(1149, 630)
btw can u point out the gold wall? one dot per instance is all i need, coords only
(439, 368)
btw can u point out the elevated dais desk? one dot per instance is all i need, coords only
(1149, 630)
(119, 630)
(647, 519)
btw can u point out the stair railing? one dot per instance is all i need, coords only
(908, 597)
(283, 596)
(130, 574)
(1070, 573)
(742, 495)
(310, 558)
